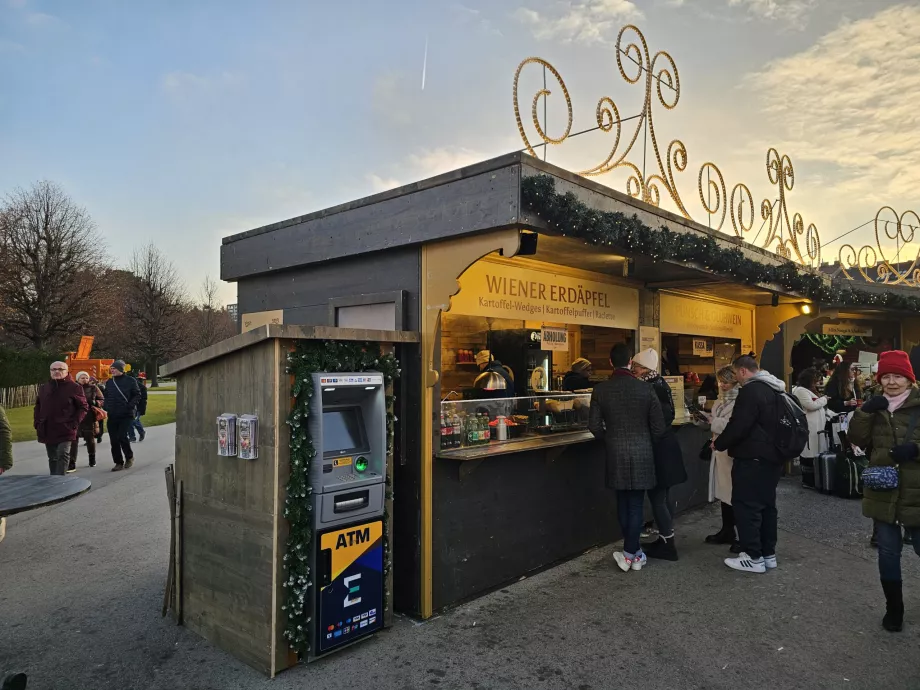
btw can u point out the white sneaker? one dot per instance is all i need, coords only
(746, 564)
(769, 562)
(622, 561)
(640, 560)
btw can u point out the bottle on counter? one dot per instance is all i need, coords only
(445, 439)
(456, 437)
(501, 430)
(484, 436)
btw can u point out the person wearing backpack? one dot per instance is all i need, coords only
(757, 441)
(888, 425)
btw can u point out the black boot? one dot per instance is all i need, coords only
(92, 460)
(894, 606)
(662, 549)
(726, 535)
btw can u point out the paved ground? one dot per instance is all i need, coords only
(81, 588)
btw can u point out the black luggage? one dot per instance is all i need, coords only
(808, 472)
(848, 479)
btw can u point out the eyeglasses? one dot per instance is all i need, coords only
(57, 369)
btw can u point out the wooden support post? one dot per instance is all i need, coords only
(168, 598)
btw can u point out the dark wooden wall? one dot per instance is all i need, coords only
(518, 513)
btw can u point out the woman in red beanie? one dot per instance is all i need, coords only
(889, 424)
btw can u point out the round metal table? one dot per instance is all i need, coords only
(28, 492)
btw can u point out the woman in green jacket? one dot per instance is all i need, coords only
(888, 426)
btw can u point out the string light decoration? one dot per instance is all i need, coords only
(308, 358)
(661, 78)
(571, 217)
(868, 258)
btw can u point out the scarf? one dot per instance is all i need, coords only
(650, 375)
(729, 396)
(895, 402)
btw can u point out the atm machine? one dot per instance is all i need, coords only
(347, 423)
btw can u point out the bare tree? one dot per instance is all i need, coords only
(155, 308)
(52, 258)
(211, 322)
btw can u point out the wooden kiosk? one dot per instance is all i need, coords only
(230, 531)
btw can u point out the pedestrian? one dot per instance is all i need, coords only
(59, 409)
(6, 455)
(757, 465)
(90, 424)
(578, 377)
(720, 470)
(121, 398)
(100, 428)
(843, 389)
(888, 425)
(136, 425)
(669, 462)
(815, 406)
(626, 414)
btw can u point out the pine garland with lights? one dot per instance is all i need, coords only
(572, 217)
(309, 357)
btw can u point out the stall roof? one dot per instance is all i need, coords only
(471, 200)
(283, 332)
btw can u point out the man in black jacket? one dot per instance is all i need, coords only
(136, 424)
(757, 466)
(121, 399)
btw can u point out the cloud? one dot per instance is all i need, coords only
(426, 163)
(41, 20)
(181, 83)
(581, 21)
(468, 15)
(16, 4)
(846, 109)
(790, 11)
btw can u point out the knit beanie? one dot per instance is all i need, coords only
(895, 362)
(648, 359)
(581, 365)
(79, 374)
(119, 364)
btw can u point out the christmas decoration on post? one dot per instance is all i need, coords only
(307, 358)
(571, 217)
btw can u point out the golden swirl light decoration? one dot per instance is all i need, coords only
(868, 258)
(660, 76)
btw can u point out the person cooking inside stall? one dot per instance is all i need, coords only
(578, 378)
(487, 364)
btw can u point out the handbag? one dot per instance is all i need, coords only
(99, 413)
(887, 477)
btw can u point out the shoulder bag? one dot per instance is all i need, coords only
(886, 477)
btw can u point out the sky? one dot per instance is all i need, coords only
(183, 121)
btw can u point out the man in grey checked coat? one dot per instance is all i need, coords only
(627, 416)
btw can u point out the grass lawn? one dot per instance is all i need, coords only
(161, 409)
(164, 387)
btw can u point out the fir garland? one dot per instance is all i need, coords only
(566, 213)
(309, 357)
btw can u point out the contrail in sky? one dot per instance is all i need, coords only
(425, 63)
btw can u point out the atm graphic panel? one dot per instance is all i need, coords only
(350, 596)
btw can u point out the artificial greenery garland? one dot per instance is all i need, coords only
(566, 213)
(308, 358)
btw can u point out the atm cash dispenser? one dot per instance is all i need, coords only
(347, 423)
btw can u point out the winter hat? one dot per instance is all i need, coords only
(119, 364)
(483, 357)
(581, 365)
(648, 359)
(895, 362)
(79, 374)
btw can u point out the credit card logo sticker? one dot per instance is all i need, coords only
(337, 633)
(363, 624)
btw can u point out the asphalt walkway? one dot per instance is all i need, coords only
(81, 590)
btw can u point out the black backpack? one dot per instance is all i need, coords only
(790, 435)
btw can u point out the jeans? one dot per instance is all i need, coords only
(136, 426)
(889, 548)
(629, 511)
(118, 437)
(89, 436)
(661, 509)
(754, 500)
(58, 457)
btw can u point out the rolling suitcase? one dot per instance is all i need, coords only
(826, 471)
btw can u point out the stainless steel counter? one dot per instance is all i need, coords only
(507, 447)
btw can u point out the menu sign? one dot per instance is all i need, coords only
(847, 328)
(510, 292)
(696, 317)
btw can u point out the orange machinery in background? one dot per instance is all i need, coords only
(80, 360)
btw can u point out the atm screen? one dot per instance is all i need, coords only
(343, 430)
